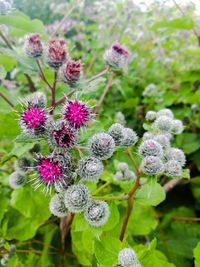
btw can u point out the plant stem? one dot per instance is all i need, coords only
(101, 188)
(162, 235)
(110, 198)
(186, 219)
(44, 244)
(53, 99)
(128, 151)
(62, 99)
(99, 75)
(171, 184)
(41, 74)
(109, 83)
(6, 99)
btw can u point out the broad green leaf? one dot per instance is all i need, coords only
(196, 252)
(180, 23)
(189, 142)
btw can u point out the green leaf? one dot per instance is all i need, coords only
(180, 23)
(106, 250)
(8, 62)
(147, 127)
(150, 194)
(189, 142)
(196, 252)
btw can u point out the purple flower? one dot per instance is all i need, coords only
(71, 72)
(33, 46)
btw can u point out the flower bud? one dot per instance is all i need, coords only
(61, 136)
(118, 176)
(177, 127)
(150, 148)
(71, 72)
(5, 7)
(101, 146)
(38, 98)
(163, 140)
(128, 258)
(22, 163)
(120, 118)
(33, 46)
(173, 168)
(17, 180)
(97, 213)
(129, 175)
(56, 54)
(148, 135)
(117, 132)
(65, 182)
(4, 261)
(77, 197)
(77, 114)
(90, 169)
(150, 116)
(130, 138)
(117, 56)
(175, 154)
(152, 165)
(165, 112)
(57, 206)
(123, 166)
(163, 124)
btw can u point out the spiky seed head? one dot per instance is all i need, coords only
(61, 136)
(148, 135)
(123, 166)
(117, 132)
(22, 164)
(71, 72)
(101, 146)
(150, 116)
(129, 175)
(177, 127)
(163, 124)
(62, 185)
(118, 176)
(4, 261)
(152, 165)
(120, 118)
(130, 138)
(33, 46)
(97, 213)
(77, 113)
(17, 180)
(77, 197)
(173, 168)
(64, 159)
(33, 120)
(56, 53)
(175, 154)
(38, 98)
(150, 148)
(90, 169)
(162, 139)
(117, 56)
(165, 112)
(57, 206)
(127, 257)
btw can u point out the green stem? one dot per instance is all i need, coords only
(101, 188)
(110, 198)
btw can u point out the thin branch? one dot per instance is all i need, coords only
(41, 74)
(133, 161)
(104, 72)
(162, 235)
(62, 21)
(6, 99)
(183, 13)
(30, 82)
(44, 244)
(171, 184)
(110, 198)
(63, 99)
(53, 100)
(109, 83)
(101, 188)
(186, 219)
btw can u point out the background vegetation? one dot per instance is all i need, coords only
(164, 71)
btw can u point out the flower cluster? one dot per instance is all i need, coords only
(124, 174)
(157, 154)
(5, 7)
(127, 258)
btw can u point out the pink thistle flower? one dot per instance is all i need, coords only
(71, 72)
(56, 53)
(117, 56)
(50, 170)
(62, 136)
(33, 46)
(33, 119)
(77, 113)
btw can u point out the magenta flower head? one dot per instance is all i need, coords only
(62, 136)
(71, 72)
(50, 170)
(56, 53)
(117, 56)
(77, 113)
(33, 119)
(33, 46)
